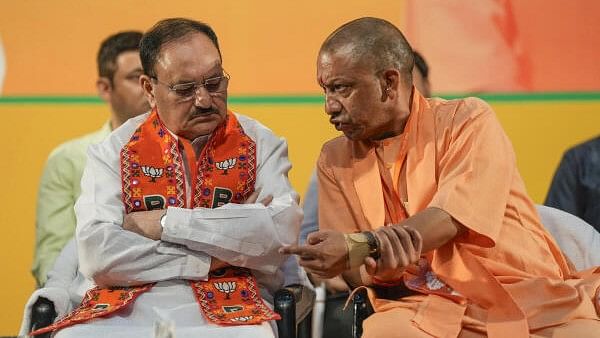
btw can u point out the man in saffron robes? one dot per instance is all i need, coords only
(424, 195)
(169, 226)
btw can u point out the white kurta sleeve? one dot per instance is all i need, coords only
(243, 235)
(247, 235)
(110, 255)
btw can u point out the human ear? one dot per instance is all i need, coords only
(104, 88)
(391, 83)
(148, 87)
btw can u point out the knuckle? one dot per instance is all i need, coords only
(393, 263)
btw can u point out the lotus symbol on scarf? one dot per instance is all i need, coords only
(433, 282)
(242, 318)
(226, 287)
(226, 165)
(152, 172)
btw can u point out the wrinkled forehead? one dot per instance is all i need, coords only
(341, 62)
(339, 52)
(190, 56)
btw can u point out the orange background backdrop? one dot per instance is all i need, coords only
(268, 46)
(507, 45)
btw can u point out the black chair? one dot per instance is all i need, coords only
(341, 321)
(293, 303)
(42, 315)
(362, 309)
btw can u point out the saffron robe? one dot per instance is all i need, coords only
(508, 272)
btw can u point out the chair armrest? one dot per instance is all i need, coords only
(42, 315)
(304, 298)
(294, 304)
(285, 306)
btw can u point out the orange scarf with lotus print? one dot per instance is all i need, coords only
(153, 177)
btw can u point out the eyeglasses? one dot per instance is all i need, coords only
(188, 91)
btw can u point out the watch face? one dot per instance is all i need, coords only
(359, 238)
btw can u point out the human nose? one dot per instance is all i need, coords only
(202, 97)
(332, 105)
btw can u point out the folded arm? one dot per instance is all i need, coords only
(242, 235)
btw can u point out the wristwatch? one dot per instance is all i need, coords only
(361, 245)
(373, 244)
(163, 219)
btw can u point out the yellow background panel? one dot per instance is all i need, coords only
(540, 132)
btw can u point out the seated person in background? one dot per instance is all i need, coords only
(576, 184)
(64, 288)
(168, 224)
(424, 195)
(119, 69)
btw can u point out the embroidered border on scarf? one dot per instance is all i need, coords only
(231, 297)
(244, 163)
(97, 303)
(168, 165)
(159, 182)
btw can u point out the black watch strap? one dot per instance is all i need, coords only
(373, 244)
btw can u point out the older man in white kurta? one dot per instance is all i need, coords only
(125, 241)
(245, 235)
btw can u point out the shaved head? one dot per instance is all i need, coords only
(375, 42)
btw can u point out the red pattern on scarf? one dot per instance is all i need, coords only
(153, 177)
